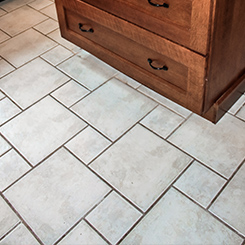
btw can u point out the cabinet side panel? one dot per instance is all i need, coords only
(227, 53)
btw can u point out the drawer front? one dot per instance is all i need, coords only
(183, 21)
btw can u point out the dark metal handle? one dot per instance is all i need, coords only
(165, 5)
(164, 68)
(83, 30)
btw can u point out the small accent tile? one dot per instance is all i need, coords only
(41, 129)
(55, 195)
(4, 146)
(113, 108)
(218, 146)
(241, 113)
(2, 95)
(50, 11)
(12, 166)
(11, 24)
(87, 70)
(5, 68)
(200, 183)
(177, 220)
(3, 36)
(47, 26)
(82, 234)
(237, 106)
(57, 55)
(230, 204)
(2, 12)
(128, 80)
(40, 4)
(113, 217)
(88, 144)
(8, 218)
(130, 164)
(162, 121)
(31, 82)
(21, 236)
(25, 47)
(7, 110)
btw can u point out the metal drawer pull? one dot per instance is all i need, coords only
(164, 68)
(165, 5)
(83, 30)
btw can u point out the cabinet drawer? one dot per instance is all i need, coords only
(184, 22)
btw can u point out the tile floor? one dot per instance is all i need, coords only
(90, 156)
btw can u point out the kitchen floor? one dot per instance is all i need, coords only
(90, 156)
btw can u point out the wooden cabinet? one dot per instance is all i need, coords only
(191, 51)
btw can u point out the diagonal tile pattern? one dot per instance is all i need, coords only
(90, 156)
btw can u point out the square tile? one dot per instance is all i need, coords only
(82, 234)
(200, 183)
(88, 144)
(57, 55)
(5, 68)
(39, 4)
(55, 35)
(20, 235)
(165, 102)
(162, 121)
(113, 217)
(130, 164)
(12, 166)
(7, 110)
(41, 129)
(55, 195)
(87, 70)
(70, 93)
(10, 5)
(218, 146)
(11, 24)
(113, 108)
(8, 218)
(3, 36)
(177, 220)
(128, 80)
(25, 47)
(50, 11)
(31, 82)
(47, 26)
(4, 146)
(230, 204)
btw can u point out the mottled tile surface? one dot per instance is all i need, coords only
(4, 146)
(5, 68)
(56, 195)
(3, 36)
(47, 26)
(10, 5)
(130, 164)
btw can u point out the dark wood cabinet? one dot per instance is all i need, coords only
(191, 51)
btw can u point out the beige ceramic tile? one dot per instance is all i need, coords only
(128, 80)
(21, 236)
(70, 93)
(113, 217)
(200, 183)
(3, 36)
(141, 166)
(164, 101)
(7, 110)
(2, 95)
(55, 195)
(241, 113)
(5, 68)
(162, 121)
(47, 26)
(2, 12)
(12, 166)
(10, 5)
(4, 146)
(50, 11)
(113, 108)
(8, 218)
(39, 4)
(82, 234)
(88, 144)
(55, 35)
(57, 55)
(87, 70)
(176, 220)
(31, 82)
(11, 24)
(25, 47)
(41, 129)
(230, 204)
(218, 146)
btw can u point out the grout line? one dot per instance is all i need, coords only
(9, 231)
